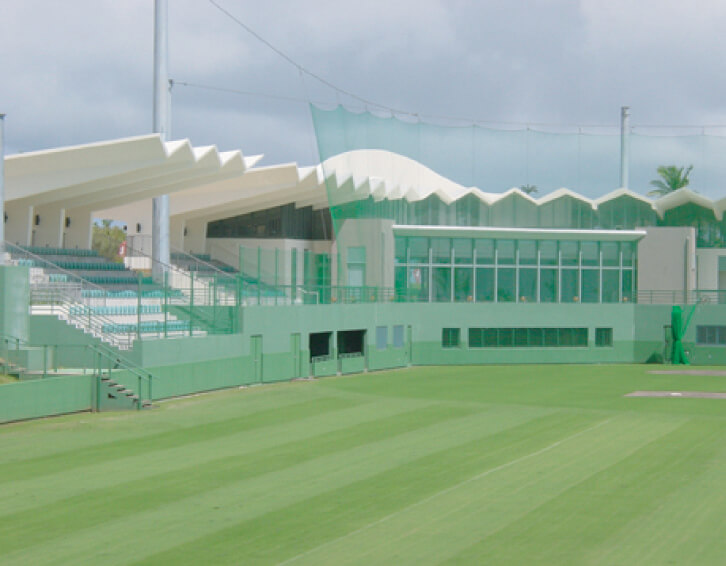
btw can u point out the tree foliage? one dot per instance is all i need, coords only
(107, 239)
(528, 189)
(671, 179)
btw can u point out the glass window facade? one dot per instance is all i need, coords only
(514, 270)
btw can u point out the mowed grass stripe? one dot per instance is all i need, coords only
(191, 433)
(692, 515)
(46, 489)
(593, 511)
(45, 437)
(95, 507)
(596, 387)
(278, 535)
(169, 525)
(435, 529)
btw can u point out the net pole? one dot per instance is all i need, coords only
(624, 147)
(160, 204)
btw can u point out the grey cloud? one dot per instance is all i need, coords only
(80, 71)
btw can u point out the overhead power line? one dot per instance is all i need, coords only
(300, 67)
(470, 121)
(396, 111)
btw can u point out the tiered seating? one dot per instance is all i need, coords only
(130, 294)
(117, 310)
(148, 327)
(86, 264)
(75, 252)
(122, 306)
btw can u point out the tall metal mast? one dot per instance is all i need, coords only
(160, 225)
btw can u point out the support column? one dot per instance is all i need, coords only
(19, 227)
(625, 147)
(177, 227)
(78, 232)
(160, 229)
(48, 225)
(195, 239)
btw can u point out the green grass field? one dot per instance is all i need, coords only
(437, 465)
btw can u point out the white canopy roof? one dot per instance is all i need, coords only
(206, 183)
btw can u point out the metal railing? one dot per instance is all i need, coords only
(69, 296)
(350, 355)
(54, 301)
(201, 287)
(105, 313)
(106, 359)
(680, 297)
(100, 360)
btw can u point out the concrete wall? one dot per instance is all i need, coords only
(19, 227)
(48, 225)
(376, 236)
(78, 233)
(227, 250)
(666, 259)
(711, 264)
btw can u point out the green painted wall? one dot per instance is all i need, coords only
(189, 365)
(649, 334)
(14, 301)
(70, 345)
(428, 322)
(43, 397)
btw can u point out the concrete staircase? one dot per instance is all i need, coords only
(117, 396)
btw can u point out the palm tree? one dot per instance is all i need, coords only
(528, 189)
(672, 179)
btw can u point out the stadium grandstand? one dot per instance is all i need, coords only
(368, 260)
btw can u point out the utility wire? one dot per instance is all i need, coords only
(366, 103)
(468, 121)
(298, 66)
(246, 92)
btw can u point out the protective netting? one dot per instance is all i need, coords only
(586, 161)
(415, 208)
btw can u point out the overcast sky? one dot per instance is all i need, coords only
(80, 71)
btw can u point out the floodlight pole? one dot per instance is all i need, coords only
(2, 189)
(625, 147)
(160, 206)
